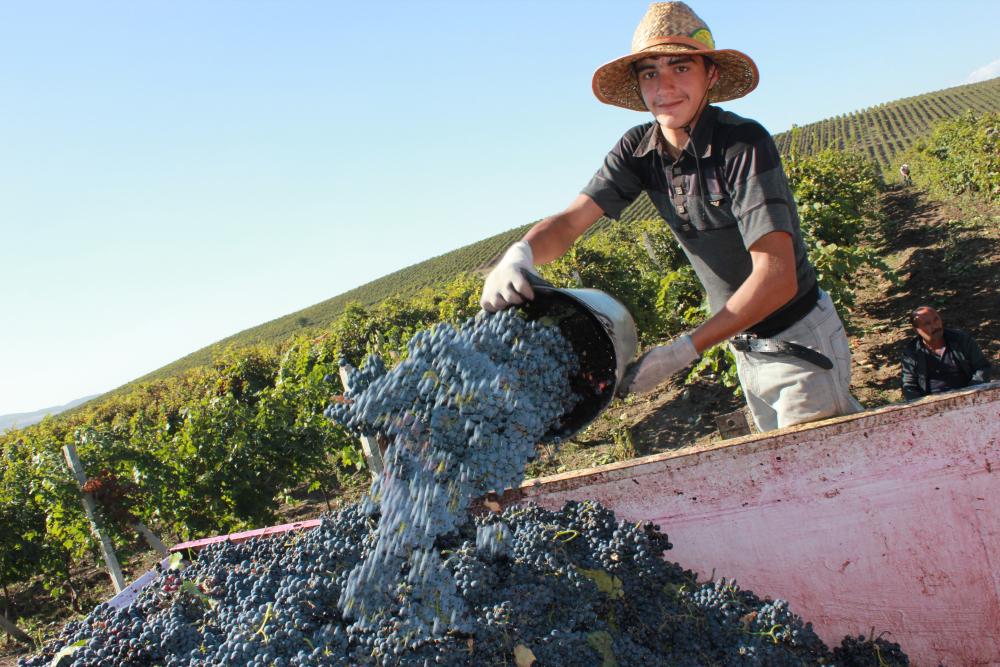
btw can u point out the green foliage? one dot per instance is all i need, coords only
(24, 549)
(960, 157)
(245, 372)
(681, 301)
(836, 193)
(248, 431)
(836, 266)
(624, 259)
(683, 305)
(393, 323)
(45, 529)
(717, 364)
(459, 300)
(353, 333)
(388, 327)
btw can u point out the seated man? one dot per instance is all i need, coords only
(939, 359)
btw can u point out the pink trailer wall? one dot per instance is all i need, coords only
(889, 519)
(246, 535)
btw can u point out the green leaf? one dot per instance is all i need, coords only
(192, 589)
(600, 641)
(176, 561)
(606, 583)
(67, 651)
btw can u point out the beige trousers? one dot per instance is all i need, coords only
(782, 390)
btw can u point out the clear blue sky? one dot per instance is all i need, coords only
(175, 172)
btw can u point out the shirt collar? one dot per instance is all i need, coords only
(927, 347)
(653, 139)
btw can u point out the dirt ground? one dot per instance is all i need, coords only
(945, 256)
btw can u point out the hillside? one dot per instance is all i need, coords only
(886, 130)
(881, 132)
(402, 283)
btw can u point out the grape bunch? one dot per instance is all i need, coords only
(861, 651)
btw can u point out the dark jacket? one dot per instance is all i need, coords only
(969, 358)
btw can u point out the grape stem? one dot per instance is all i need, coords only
(770, 633)
(267, 617)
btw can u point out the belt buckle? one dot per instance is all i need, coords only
(741, 342)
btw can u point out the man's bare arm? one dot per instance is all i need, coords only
(553, 236)
(771, 284)
(507, 285)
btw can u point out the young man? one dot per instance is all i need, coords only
(939, 359)
(717, 180)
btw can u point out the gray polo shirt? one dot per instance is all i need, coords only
(717, 205)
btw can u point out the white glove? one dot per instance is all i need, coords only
(657, 365)
(506, 285)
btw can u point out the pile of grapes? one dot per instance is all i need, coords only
(410, 577)
(573, 588)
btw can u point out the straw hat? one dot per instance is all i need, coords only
(673, 27)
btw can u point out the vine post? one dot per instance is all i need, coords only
(151, 539)
(373, 453)
(114, 569)
(15, 632)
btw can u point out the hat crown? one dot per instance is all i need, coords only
(670, 19)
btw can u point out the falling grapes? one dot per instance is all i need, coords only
(463, 413)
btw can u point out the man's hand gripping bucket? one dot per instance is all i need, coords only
(603, 335)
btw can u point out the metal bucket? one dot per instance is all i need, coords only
(602, 333)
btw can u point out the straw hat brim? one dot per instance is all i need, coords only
(615, 83)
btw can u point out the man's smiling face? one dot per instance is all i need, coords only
(674, 87)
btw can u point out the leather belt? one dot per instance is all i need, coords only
(750, 343)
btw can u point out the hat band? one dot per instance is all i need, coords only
(674, 39)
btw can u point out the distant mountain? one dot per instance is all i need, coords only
(22, 419)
